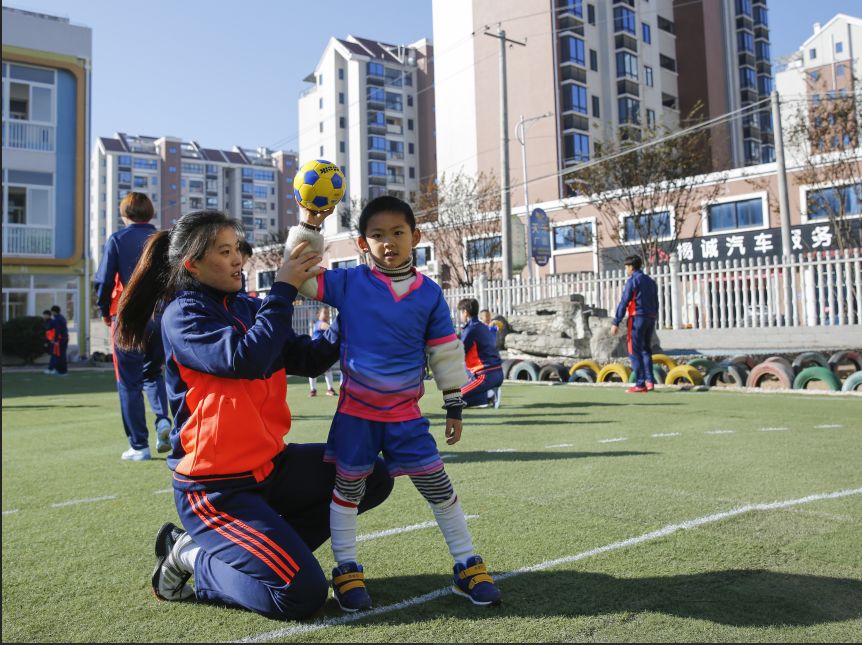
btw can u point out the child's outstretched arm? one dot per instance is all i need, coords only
(308, 229)
(446, 361)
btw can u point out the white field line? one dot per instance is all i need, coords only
(719, 432)
(72, 502)
(666, 434)
(559, 445)
(502, 450)
(829, 425)
(10, 511)
(163, 490)
(402, 529)
(449, 456)
(773, 429)
(646, 537)
(614, 440)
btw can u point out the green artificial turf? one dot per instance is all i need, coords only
(545, 484)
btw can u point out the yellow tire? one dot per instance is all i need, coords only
(618, 369)
(585, 363)
(664, 359)
(684, 373)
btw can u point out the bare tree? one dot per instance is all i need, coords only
(649, 186)
(823, 139)
(459, 215)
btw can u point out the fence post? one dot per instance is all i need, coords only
(674, 291)
(481, 284)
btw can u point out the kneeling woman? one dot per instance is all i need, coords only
(253, 508)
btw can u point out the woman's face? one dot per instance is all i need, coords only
(221, 266)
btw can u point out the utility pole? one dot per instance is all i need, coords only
(521, 133)
(783, 207)
(506, 201)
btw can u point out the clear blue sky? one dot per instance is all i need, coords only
(225, 72)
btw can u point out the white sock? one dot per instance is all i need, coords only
(187, 555)
(312, 383)
(342, 527)
(450, 518)
(328, 376)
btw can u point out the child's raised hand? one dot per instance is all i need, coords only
(299, 266)
(453, 431)
(315, 218)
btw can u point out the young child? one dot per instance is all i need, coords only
(390, 317)
(320, 326)
(482, 358)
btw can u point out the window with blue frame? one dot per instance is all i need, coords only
(394, 101)
(747, 77)
(838, 201)
(377, 168)
(573, 236)
(421, 256)
(646, 32)
(761, 15)
(745, 41)
(247, 188)
(576, 147)
(629, 110)
(124, 177)
(649, 226)
(139, 182)
(377, 143)
(148, 164)
(124, 160)
(484, 248)
(572, 50)
(627, 65)
(761, 49)
(764, 84)
(374, 69)
(265, 175)
(247, 173)
(376, 94)
(574, 98)
(624, 20)
(261, 191)
(747, 213)
(575, 7)
(743, 7)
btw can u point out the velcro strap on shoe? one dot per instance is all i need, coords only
(347, 577)
(350, 585)
(474, 570)
(482, 577)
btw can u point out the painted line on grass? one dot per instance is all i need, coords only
(559, 445)
(10, 511)
(773, 429)
(449, 456)
(163, 490)
(403, 529)
(502, 450)
(828, 425)
(666, 434)
(646, 537)
(614, 440)
(72, 502)
(718, 432)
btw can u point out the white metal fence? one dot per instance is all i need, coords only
(812, 289)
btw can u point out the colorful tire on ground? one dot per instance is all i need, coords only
(767, 369)
(735, 374)
(619, 370)
(745, 359)
(781, 360)
(664, 359)
(809, 359)
(659, 374)
(703, 365)
(853, 382)
(588, 363)
(684, 373)
(508, 364)
(524, 371)
(583, 375)
(556, 372)
(845, 357)
(816, 373)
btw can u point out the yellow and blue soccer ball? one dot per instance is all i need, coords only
(318, 185)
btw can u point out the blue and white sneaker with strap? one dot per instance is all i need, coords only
(471, 580)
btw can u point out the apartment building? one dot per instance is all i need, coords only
(46, 122)
(253, 185)
(369, 109)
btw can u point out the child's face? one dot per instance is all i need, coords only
(485, 317)
(388, 239)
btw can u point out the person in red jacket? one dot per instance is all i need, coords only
(253, 508)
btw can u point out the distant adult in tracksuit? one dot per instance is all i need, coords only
(61, 340)
(640, 303)
(136, 372)
(482, 359)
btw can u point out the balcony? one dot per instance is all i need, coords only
(28, 136)
(374, 153)
(31, 241)
(395, 155)
(377, 180)
(624, 41)
(628, 87)
(392, 128)
(395, 179)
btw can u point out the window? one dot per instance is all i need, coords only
(571, 50)
(376, 143)
(341, 147)
(839, 47)
(341, 122)
(591, 14)
(574, 98)
(341, 98)
(247, 173)
(408, 79)
(732, 215)
(321, 152)
(412, 173)
(320, 79)
(576, 147)
(421, 256)
(247, 188)
(139, 182)
(374, 69)
(484, 248)
(747, 77)
(761, 49)
(594, 60)
(409, 100)
(646, 32)
(124, 177)
(825, 203)
(650, 119)
(393, 101)
(264, 175)
(649, 226)
(840, 70)
(596, 106)
(745, 41)
(410, 148)
(667, 62)
(172, 150)
(31, 102)
(265, 279)
(764, 84)
(340, 73)
(573, 236)
(648, 76)
(124, 160)
(320, 103)
(409, 124)
(29, 206)
(377, 168)
(627, 65)
(665, 25)
(571, 6)
(321, 126)
(761, 16)
(172, 169)
(629, 109)
(344, 264)
(624, 20)
(743, 7)
(812, 53)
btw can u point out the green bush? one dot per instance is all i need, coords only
(24, 337)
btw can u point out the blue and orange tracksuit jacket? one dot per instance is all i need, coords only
(122, 252)
(640, 298)
(480, 347)
(226, 362)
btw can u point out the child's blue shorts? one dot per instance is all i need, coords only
(407, 446)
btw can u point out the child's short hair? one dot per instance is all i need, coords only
(470, 305)
(634, 261)
(245, 249)
(382, 204)
(55, 309)
(47, 312)
(137, 207)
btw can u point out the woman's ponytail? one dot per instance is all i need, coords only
(149, 285)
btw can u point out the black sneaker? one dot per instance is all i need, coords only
(169, 576)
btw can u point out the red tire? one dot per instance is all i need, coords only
(768, 370)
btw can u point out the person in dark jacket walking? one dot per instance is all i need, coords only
(139, 371)
(254, 509)
(640, 303)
